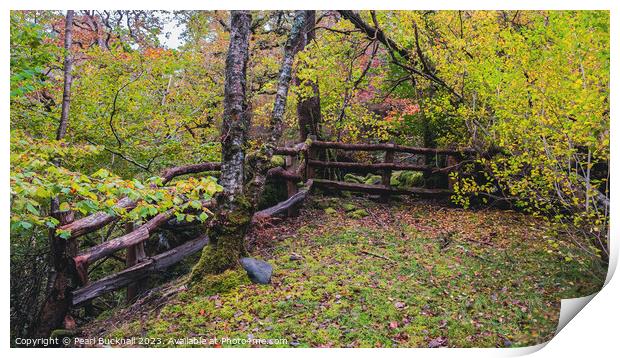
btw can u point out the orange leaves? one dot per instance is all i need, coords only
(156, 52)
(401, 107)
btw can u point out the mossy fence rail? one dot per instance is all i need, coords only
(301, 164)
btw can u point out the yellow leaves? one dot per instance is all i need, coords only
(42, 193)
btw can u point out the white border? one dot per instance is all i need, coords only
(594, 331)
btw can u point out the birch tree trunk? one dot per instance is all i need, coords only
(259, 163)
(236, 119)
(234, 211)
(238, 202)
(68, 78)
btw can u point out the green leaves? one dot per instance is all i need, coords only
(64, 234)
(35, 180)
(195, 204)
(32, 209)
(87, 206)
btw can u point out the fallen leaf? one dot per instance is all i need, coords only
(437, 342)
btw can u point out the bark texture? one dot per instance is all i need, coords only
(308, 109)
(68, 78)
(234, 211)
(236, 118)
(260, 162)
(58, 300)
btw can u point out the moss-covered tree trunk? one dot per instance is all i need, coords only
(234, 211)
(242, 192)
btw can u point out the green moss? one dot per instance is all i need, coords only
(348, 207)
(325, 203)
(61, 333)
(330, 211)
(277, 161)
(226, 281)
(355, 280)
(372, 179)
(357, 214)
(352, 178)
(274, 192)
(409, 179)
(228, 235)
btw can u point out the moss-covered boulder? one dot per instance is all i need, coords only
(352, 178)
(394, 181)
(409, 179)
(372, 179)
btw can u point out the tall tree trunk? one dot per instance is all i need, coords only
(259, 163)
(238, 201)
(236, 122)
(308, 109)
(234, 211)
(57, 301)
(68, 64)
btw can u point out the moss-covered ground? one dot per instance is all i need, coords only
(407, 274)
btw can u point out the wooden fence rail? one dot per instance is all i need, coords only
(370, 166)
(138, 265)
(138, 271)
(300, 163)
(385, 168)
(390, 146)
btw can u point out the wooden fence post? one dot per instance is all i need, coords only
(58, 302)
(386, 176)
(451, 160)
(312, 154)
(291, 186)
(135, 254)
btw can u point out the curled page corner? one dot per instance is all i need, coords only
(570, 307)
(523, 351)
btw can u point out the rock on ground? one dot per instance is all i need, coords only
(258, 271)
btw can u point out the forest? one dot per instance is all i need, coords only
(305, 178)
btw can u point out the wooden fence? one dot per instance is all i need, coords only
(301, 160)
(385, 168)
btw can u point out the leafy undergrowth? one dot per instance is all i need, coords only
(355, 273)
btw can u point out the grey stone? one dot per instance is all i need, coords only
(258, 271)
(295, 257)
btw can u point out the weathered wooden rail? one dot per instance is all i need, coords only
(301, 160)
(138, 264)
(386, 167)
